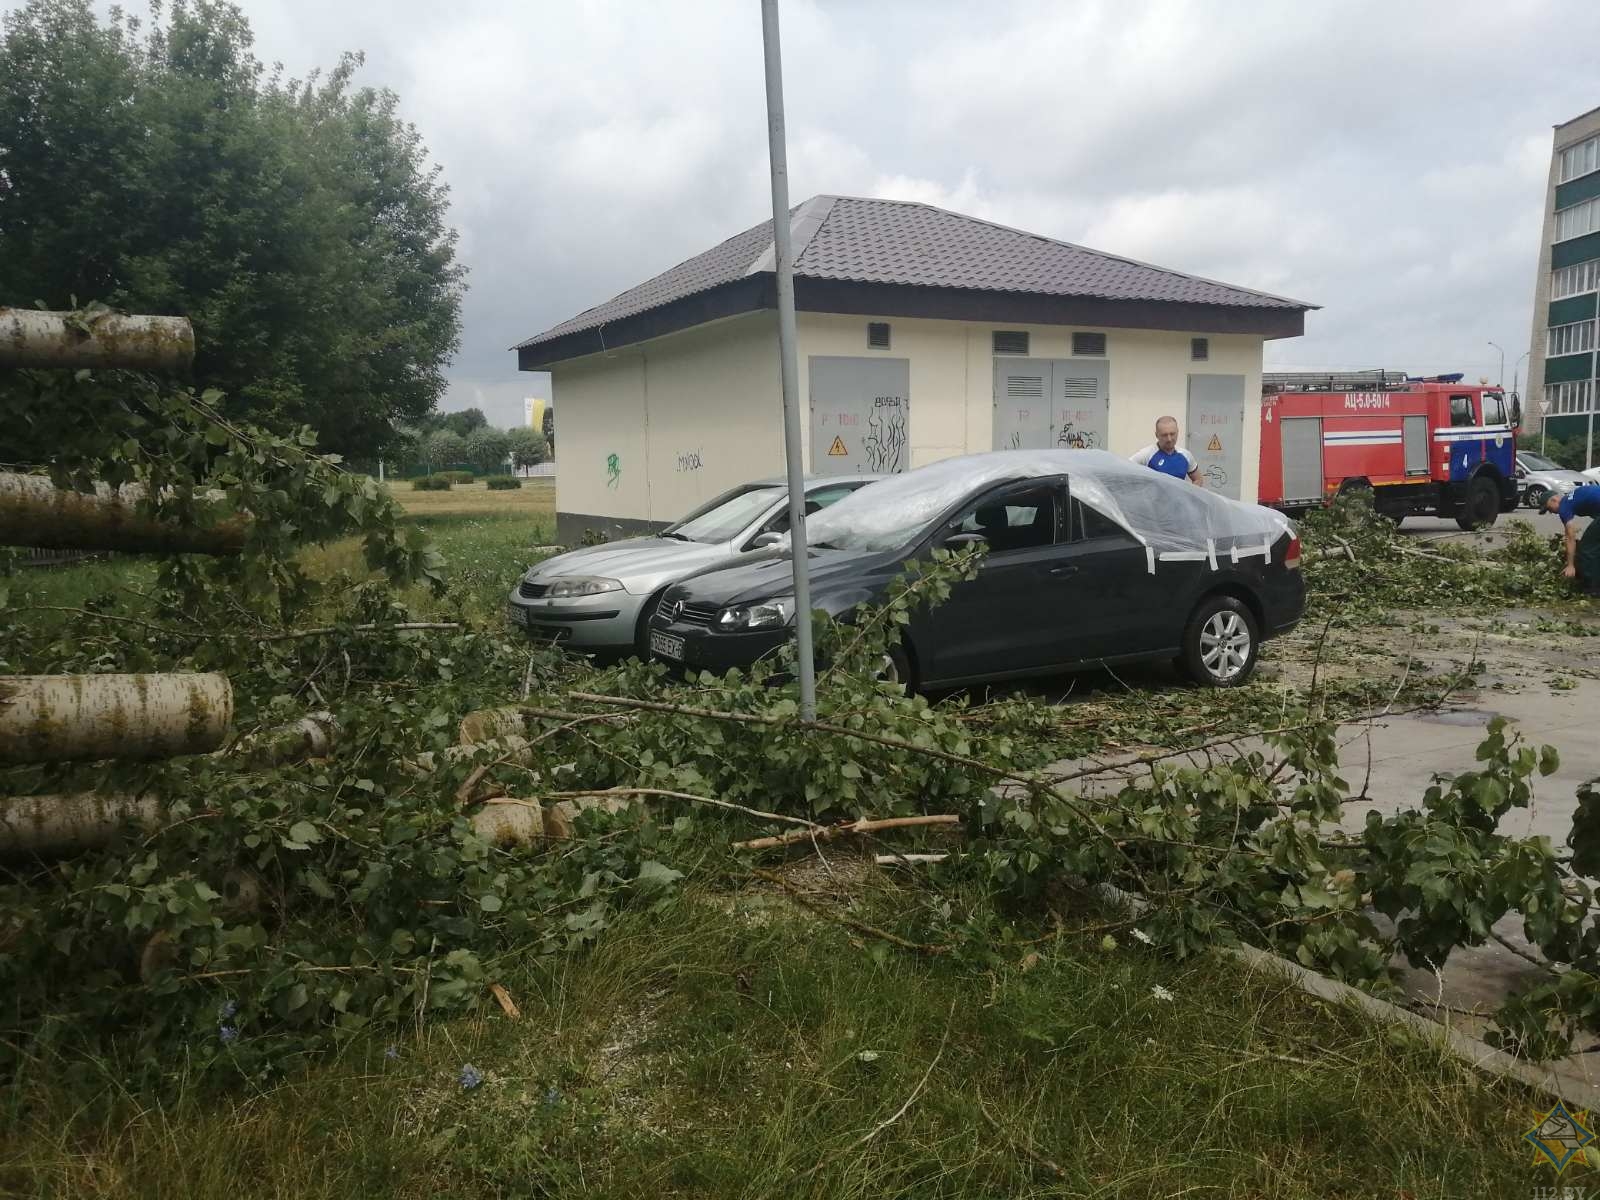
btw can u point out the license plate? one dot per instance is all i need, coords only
(668, 645)
(516, 614)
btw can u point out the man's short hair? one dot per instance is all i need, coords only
(1174, 421)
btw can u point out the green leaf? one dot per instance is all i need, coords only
(655, 876)
(490, 903)
(304, 832)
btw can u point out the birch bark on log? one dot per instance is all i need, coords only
(66, 823)
(63, 718)
(34, 512)
(33, 338)
(313, 736)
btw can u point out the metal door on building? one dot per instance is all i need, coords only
(860, 415)
(1416, 445)
(1302, 458)
(1214, 430)
(1043, 403)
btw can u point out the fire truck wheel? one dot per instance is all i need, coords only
(1535, 496)
(1480, 505)
(1220, 644)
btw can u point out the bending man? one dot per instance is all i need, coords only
(1583, 559)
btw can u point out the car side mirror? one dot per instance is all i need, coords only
(762, 540)
(1516, 412)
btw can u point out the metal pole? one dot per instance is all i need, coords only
(1500, 380)
(783, 265)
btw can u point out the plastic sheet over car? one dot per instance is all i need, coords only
(1173, 519)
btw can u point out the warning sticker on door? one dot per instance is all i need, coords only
(837, 450)
(1214, 445)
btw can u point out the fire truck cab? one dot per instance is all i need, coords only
(1421, 446)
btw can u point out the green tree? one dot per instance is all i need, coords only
(487, 450)
(550, 428)
(464, 422)
(298, 223)
(442, 449)
(528, 447)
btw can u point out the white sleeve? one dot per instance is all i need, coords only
(1194, 463)
(1144, 456)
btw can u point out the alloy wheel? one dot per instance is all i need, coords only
(1224, 645)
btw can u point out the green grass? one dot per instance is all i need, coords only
(731, 1044)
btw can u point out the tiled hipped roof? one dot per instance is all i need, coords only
(897, 242)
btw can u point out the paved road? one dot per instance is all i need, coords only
(1439, 529)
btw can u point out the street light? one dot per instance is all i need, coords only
(1501, 381)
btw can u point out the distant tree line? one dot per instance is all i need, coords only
(447, 440)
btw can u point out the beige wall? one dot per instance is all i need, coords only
(952, 378)
(687, 416)
(692, 414)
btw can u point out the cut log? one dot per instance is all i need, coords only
(34, 512)
(508, 822)
(312, 736)
(487, 724)
(63, 718)
(34, 338)
(559, 818)
(67, 823)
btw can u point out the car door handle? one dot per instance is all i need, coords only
(1063, 570)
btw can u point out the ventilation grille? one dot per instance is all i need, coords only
(1090, 344)
(1025, 387)
(1010, 341)
(1078, 389)
(877, 335)
(1200, 349)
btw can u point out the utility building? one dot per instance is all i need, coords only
(923, 334)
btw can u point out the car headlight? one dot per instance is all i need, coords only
(581, 585)
(769, 615)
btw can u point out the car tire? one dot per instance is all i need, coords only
(641, 629)
(1221, 643)
(897, 669)
(1480, 506)
(1535, 496)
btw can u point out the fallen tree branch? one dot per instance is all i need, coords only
(862, 927)
(810, 826)
(1020, 1143)
(367, 627)
(855, 828)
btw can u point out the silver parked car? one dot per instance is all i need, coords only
(599, 598)
(1538, 479)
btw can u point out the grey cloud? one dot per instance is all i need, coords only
(1384, 160)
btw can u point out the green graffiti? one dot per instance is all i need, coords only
(613, 470)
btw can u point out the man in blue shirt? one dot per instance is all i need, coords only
(1167, 456)
(1583, 561)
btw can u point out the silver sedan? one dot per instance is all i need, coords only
(599, 598)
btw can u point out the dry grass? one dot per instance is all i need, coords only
(535, 498)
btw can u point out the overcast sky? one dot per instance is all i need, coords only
(1384, 160)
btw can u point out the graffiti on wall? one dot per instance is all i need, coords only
(885, 444)
(613, 470)
(690, 460)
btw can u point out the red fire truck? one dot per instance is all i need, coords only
(1434, 446)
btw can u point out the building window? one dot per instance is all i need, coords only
(1092, 345)
(1010, 341)
(1570, 339)
(1575, 280)
(1199, 349)
(1580, 159)
(1578, 220)
(1566, 399)
(877, 335)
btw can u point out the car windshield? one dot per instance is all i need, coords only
(889, 514)
(1534, 463)
(725, 516)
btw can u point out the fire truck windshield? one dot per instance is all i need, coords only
(1494, 408)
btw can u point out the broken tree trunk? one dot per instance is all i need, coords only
(313, 736)
(486, 724)
(63, 718)
(32, 338)
(509, 822)
(34, 512)
(66, 823)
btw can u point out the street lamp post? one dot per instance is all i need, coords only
(1500, 380)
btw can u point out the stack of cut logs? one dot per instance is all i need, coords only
(68, 718)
